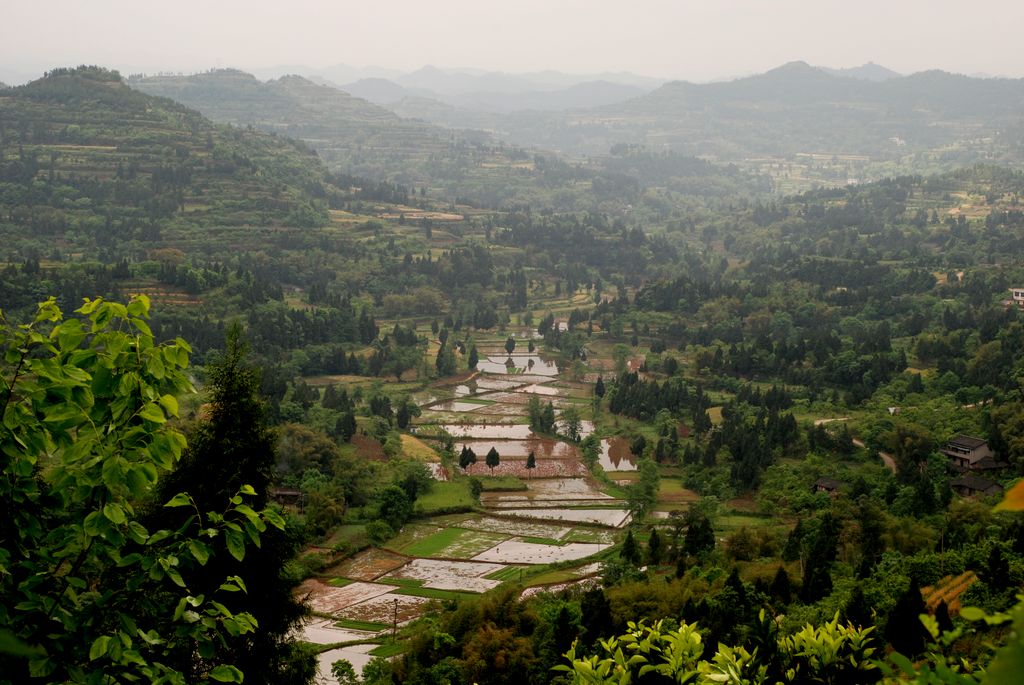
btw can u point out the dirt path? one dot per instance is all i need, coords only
(886, 458)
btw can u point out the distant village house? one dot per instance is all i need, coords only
(829, 485)
(967, 453)
(970, 485)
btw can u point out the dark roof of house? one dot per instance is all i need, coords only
(967, 441)
(988, 463)
(283, 492)
(976, 483)
(829, 483)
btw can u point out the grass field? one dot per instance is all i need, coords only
(541, 541)
(388, 650)
(507, 573)
(433, 544)
(432, 593)
(503, 484)
(417, 449)
(360, 625)
(445, 496)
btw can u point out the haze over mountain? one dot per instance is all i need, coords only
(867, 72)
(928, 121)
(346, 130)
(586, 94)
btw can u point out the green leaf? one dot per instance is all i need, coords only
(180, 500)
(143, 327)
(972, 614)
(137, 481)
(200, 551)
(11, 644)
(139, 306)
(169, 404)
(175, 576)
(226, 674)
(153, 412)
(247, 489)
(903, 663)
(236, 543)
(99, 647)
(114, 513)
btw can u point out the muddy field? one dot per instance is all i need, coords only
(370, 564)
(328, 599)
(450, 575)
(517, 551)
(383, 608)
(615, 518)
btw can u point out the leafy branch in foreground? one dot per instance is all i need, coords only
(84, 439)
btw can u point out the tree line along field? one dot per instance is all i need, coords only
(706, 340)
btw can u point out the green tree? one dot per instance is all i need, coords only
(911, 445)
(445, 361)
(654, 548)
(344, 673)
(510, 345)
(85, 404)
(492, 459)
(474, 357)
(394, 506)
(700, 536)
(231, 448)
(531, 461)
(904, 629)
(467, 457)
(572, 425)
(630, 549)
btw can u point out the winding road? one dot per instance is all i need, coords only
(886, 458)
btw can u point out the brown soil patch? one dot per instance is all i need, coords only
(368, 565)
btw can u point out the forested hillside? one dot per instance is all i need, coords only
(356, 137)
(801, 124)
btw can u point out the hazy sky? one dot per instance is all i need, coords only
(692, 39)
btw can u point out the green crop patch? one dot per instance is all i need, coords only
(434, 593)
(368, 626)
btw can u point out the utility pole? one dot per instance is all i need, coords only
(394, 624)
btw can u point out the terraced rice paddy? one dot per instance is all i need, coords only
(331, 600)
(449, 575)
(521, 552)
(384, 607)
(368, 565)
(560, 517)
(615, 518)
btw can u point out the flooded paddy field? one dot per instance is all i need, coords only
(518, 551)
(331, 600)
(516, 363)
(493, 431)
(542, 448)
(456, 406)
(450, 575)
(368, 565)
(500, 507)
(384, 607)
(616, 455)
(546, 468)
(615, 518)
(518, 528)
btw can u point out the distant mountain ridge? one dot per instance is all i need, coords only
(101, 154)
(866, 72)
(350, 133)
(587, 94)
